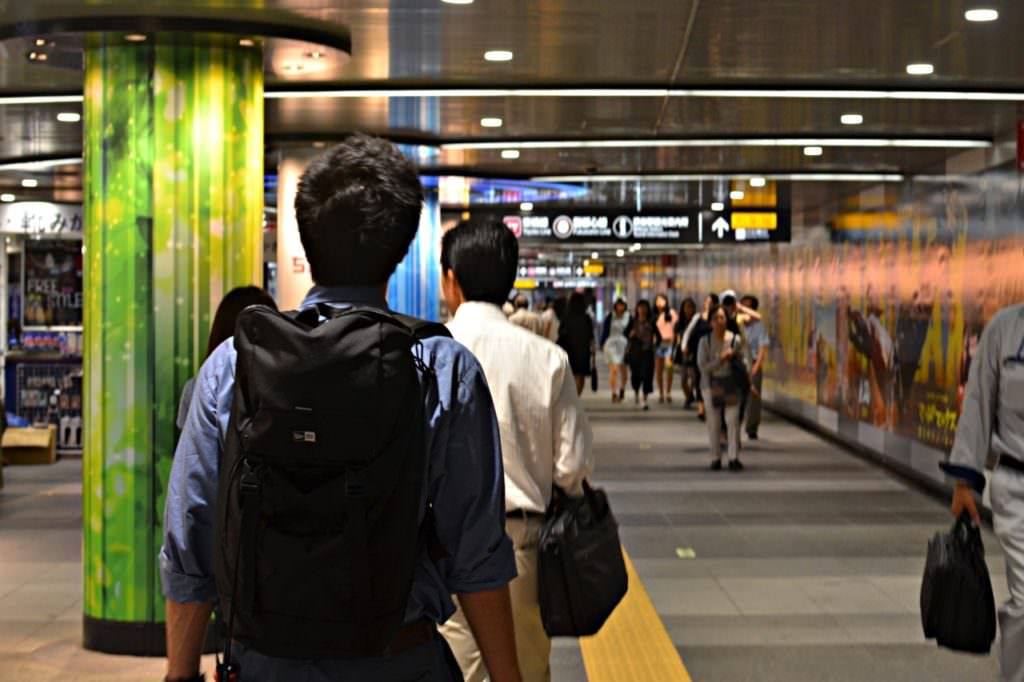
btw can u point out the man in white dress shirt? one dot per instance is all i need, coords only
(545, 436)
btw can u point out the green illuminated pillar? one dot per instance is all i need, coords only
(174, 209)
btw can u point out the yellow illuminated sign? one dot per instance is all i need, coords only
(526, 284)
(594, 269)
(755, 221)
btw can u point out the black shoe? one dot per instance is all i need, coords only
(752, 435)
(716, 465)
(735, 465)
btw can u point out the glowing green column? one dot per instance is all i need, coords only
(174, 210)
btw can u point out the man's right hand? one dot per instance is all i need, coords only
(963, 501)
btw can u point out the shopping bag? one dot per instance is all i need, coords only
(957, 605)
(581, 571)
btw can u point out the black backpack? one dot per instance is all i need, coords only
(323, 480)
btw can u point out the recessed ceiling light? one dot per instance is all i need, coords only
(736, 195)
(319, 144)
(491, 122)
(851, 119)
(69, 117)
(920, 69)
(38, 56)
(498, 55)
(757, 182)
(510, 153)
(7, 198)
(315, 54)
(30, 183)
(813, 151)
(717, 206)
(40, 42)
(246, 42)
(595, 255)
(135, 38)
(620, 253)
(980, 15)
(526, 206)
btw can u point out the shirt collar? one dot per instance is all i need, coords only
(478, 311)
(351, 295)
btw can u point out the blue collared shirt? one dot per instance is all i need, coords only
(465, 486)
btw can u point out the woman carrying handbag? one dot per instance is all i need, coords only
(724, 381)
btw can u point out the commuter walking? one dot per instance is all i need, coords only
(758, 342)
(992, 420)
(687, 311)
(643, 337)
(526, 318)
(576, 337)
(614, 344)
(551, 317)
(700, 326)
(720, 358)
(222, 329)
(323, 592)
(545, 437)
(666, 321)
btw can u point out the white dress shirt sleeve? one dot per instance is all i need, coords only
(573, 446)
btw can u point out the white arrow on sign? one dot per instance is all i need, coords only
(720, 227)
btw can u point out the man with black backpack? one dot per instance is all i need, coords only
(339, 475)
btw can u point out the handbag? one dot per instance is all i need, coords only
(581, 571)
(729, 390)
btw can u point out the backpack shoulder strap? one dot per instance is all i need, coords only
(423, 329)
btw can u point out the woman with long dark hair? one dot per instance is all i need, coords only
(698, 328)
(643, 337)
(222, 329)
(576, 337)
(614, 344)
(666, 323)
(721, 357)
(687, 310)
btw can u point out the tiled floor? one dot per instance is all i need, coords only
(805, 567)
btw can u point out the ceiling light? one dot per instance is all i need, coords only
(135, 38)
(814, 150)
(7, 198)
(851, 119)
(758, 182)
(595, 255)
(620, 253)
(910, 143)
(40, 42)
(69, 117)
(736, 195)
(315, 54)
(498, 55)
(920, 69)
(30, 183)
(38, 56)
(491, 122)
(980, 15)
(246, 42)
(707, 177)
(628, 92)
(717, 206)
(510, 153)
(526, 206)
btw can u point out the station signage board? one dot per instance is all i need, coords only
(652, 228)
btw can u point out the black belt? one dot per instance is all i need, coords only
(1011, 463)
(523, 514)
(411, 636)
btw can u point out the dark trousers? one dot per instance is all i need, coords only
(754, 405)
(641, 373)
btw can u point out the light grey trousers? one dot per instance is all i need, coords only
(1007, 493)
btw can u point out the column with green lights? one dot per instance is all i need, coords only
(174, 208)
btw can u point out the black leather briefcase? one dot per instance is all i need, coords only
(582, 572)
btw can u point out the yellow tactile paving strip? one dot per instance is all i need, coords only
(633, 646)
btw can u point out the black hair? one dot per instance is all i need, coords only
(577, 304)
(667, 312)
(484, 255)
(753, 302)
(358, 207)
(643, 303)
(729, 300)
(714, 299)
(559, 306)
(233, 303)
(682, 309)
(620, 301)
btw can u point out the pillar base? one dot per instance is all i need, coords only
(133, 639)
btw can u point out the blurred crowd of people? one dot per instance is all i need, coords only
(718, 350)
